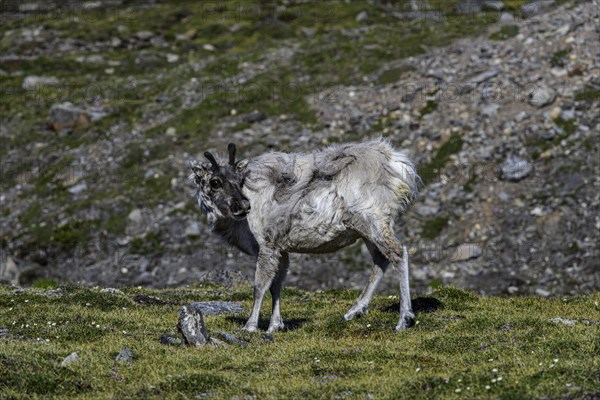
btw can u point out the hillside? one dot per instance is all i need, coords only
(104, 103)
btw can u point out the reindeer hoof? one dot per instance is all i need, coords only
(405, 322)
(275, 327)
(250, 328)
(353, 313)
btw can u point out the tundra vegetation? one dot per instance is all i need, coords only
(463, 345)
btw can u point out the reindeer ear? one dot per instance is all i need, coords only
(200, 172)
(242, 164)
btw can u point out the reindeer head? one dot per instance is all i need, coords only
(220, 187)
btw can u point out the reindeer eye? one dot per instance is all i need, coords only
(215, 183)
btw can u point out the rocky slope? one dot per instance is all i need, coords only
(104, 105)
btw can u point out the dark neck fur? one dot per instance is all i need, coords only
(237, 233)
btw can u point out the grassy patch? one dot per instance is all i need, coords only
(429, 172)
(588, 94)
(433, 227)
(430, 107)
(559, 58)
(394, 74)
(505, 32)
(485, 347)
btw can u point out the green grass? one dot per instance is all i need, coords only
(433, 227)
(505, 32)
(430, 171)
(462, 345)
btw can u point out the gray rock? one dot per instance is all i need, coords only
(484, 76)
(144, 35)
(466, 251)
(135, 216)
(65, 116)
(535, 8)
(229, 338)
(542, 96)
(542, 292)
(79, 188)
(308, 32)
(564, 321)
(9, 271)
(427, 209)
(567, 115)
(468, 7)
(192, 327)
(193, 229)
(53, 293)
(489, 109)
(91, 59)
(506, 18)
(171, 340)
(255, 116)
(548, 134)
(111, 290)
(4, 332)
(515, 169)
(35, 82)
(125, 355)
(217, 307)
(70, 359)
(362, 17)
(493, 5)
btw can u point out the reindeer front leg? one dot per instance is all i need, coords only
(276, 320)
(266, 269)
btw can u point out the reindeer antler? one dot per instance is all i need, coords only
(232, 149)
(212, 160)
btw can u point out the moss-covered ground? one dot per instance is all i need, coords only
(463, 346)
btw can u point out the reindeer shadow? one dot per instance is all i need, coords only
(419, 305)
(263, 323)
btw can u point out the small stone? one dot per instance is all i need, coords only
(229, 338)
(564, 321)
(484, 76)
(144, 35)
(466, 252)
(193, 229)
(515, 169)
(115, 41)
(172, 58)
(255, 116)
(567, 115)
(537, 211)
(192, 327)
(91, 59)
(493, 5)
(135, 216)
(76, 189)
(9, 270)
(362, 17)
(555, 113)
(506, 18)
(70, 359)
(125, 355)
(542, 292)
(489, 109)
(308, 32)
(170, 339)
(542, 96)
(111, 290)
(209, 47)
(66, 116)
(35, 82)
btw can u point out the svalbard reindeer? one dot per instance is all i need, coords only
(311, 203)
